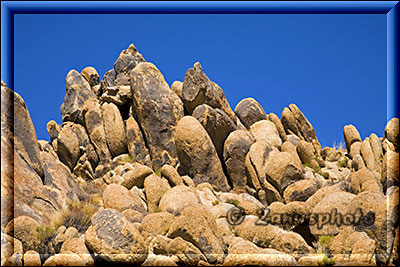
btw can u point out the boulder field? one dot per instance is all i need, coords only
(141, 172)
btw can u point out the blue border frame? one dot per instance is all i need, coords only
(390, 8)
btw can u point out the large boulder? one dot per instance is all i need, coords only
(197, 155)
(68, 148)
(115, 239)
(158, 110)
(362, 180)
(17, 126)
(77, 93)
(265, 130)
(250, 111)
(279, 126)
(95, 127)
(127, 61)
(197, 89)
(351, 135)
(392, 132)
(177, 198)
(197, 226)
(282, 169)
(335, 205)
(390, 169)
(236, 147)
(354, 248)
(114, 129)
(135, 142)
(155, 188)
(368, 155)
(119, 198)
(157, 223)
(91, 76)
(23, 228)
(217, 124)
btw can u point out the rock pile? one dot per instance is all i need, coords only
(143, 173)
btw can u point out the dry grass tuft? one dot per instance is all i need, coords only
(78, 214)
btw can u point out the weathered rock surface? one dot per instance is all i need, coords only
(77, 93)
(158, 110)
(197, 89)
(135, 142)
(195, 226)
(115, 239)
(265, 130)
(114, 129)
(351, 135)
(236, 147)
(154, 188)
(392, 132)
(250, 111)
(217, 124)
(197, 154)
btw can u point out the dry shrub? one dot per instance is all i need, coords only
(78, 214)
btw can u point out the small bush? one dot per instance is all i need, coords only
(233, 202)
(321, 163)
(158, 172)
(78, 214)
(328, 261)
(215, 203)
(325, 175)
(45, 246)
(343, 163)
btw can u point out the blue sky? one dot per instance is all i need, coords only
(333, 67)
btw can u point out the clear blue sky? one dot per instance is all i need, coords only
(333, 67)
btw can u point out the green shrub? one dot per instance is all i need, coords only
(233, 202)
(45, 247)
(342, 163)
(328, 261)
(215, 203)
(158, 172)
(325, 175)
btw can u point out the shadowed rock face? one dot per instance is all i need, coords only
(139, 173)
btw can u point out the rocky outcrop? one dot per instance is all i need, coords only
(141, 173)
(197, 155)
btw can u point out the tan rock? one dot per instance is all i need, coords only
(187, 253)
(114, 129)
(171, 174)
(306, 152)
(282, 169)
(197, 154)
(390, 169)
(290, 148)
(177, 198)
(95, 128)
(361, 177)
(333, 206)
(91, 75)
(197, 89)
(217, 124)
(67, 259)
(158, 110)
(368, 155)
(355, 148)
(250, 111)
(157, 223)
(266, 130)
(53, 129)
(77, 246)
(300, 190)
(197, 225)
(135, 142)
(115, 239)
(9, 247)
(236, 147)
(158, 260)
(136, 176)
(244, 201)
(119, 198)
(279, 126)
(176, 87)
(24, 228)
(77, 93)
(154, 188)
(351, 135)
(68, 146)
(32, 258)
(392, 132)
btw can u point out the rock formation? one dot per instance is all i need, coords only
(140, 172)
